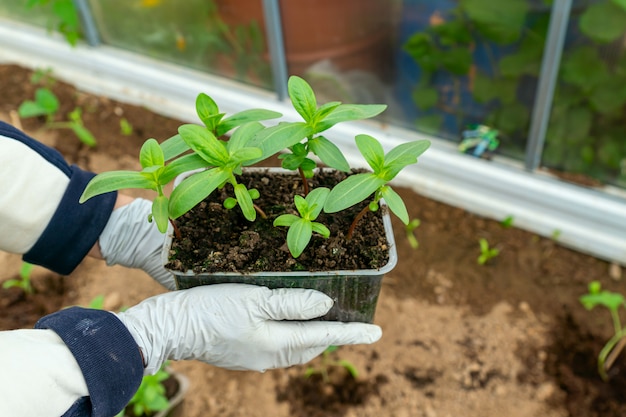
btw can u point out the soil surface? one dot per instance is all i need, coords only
(508, 338)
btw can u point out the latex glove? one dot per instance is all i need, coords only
(130, 240)
(239, 327)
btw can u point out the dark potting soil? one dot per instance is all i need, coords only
(215, 239)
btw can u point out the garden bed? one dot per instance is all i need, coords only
(506, 338)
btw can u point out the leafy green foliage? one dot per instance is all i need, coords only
(45, 103)
(326, 362)
(23, 281)
(612, 301)
(65, 19)
(585, 134)
(150, 397)
(486, 253)
(409, 230)
(223, 146)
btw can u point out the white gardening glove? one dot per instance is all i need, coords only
(239, 327)
(130, 240)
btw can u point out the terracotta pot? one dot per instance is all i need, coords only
(352, 34)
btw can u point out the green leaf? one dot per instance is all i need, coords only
(325, 109)
(351, 191)
(244, 134)
(204, 143)
(160, 212)
(395, 204)
(276, 138)
(372, 151)
(243, 117)
(328, 153)
(620, 3)
(299, 236)
(302, 97)
(84, 135)
(115, 180)
(607, 299)
(425, 97)
(316, 199)
(411, 149)
(195, 188)
(301, 205)
(603, 21)
(173, 147)
(320, 229)
(206, 108)
(246, 154)
(151, 154)
(285, 220)
(47, 100)
(30, 109)
(349, 112)
(245, 202)
(503, 24)
(180, 165)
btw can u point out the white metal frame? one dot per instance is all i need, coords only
(592, 221)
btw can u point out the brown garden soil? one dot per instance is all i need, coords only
(509, 338)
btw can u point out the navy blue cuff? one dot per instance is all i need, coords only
(106, 353)
(74, 228)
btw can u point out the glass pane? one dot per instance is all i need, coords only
(213, 36)
(342, 48)
(586, 138)
(39, 15)
(461, 64)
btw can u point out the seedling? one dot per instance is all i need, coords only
(301, 228)
(24, 281)
(126, 128)
(46, 103)
(150, 397)
(507, 222)
(220, 160)
(612, 301)
(409, 230)
(326, 362)
(486, 253)
(65, 18)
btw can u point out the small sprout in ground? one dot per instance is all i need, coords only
(301, 228)
(409, 229)
(326, 362)
(151, 396)
(486, 253)
(126, 128)
(556, 234)
(24, 281)
(507, 222)
(97, 303)
(612, 301)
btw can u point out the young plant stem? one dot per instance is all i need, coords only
(356, 220)
(260, 211)
(305, 183)
(176, 229)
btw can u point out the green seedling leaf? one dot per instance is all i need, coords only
(277, 138)
(245, 202)
(46, 103)
(160, 212)
(173, 147)
(395, 203)
(204, 143)
(352, 190)
(299, 236)
(302, 98)
(243, 117)
(116, 180)
(151, 154)
(328, 153)
(243, 136)
(372, 151)
(208, 111)
(84, 135)
(349, 112)
(195, 188)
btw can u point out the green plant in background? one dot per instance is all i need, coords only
(222, 161)
(585, 134)
(151, 396)
(64, 18)
(46, 103)
(409, 230)
(486, 253)
(24, 281)
(612, 301)
(326, 362)
(556, 234)
(507, 222)
(126, 128)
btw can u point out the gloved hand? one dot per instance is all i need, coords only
(239, 327)
(130, 240)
